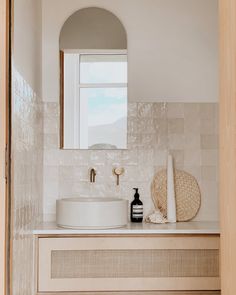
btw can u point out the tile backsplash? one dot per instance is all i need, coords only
(27, 179)
(189, 131)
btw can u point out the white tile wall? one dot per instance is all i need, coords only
(188, 130)
(27, 180)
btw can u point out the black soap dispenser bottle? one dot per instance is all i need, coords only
(136, 209)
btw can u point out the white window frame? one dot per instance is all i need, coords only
(77, 125)
(98, 52)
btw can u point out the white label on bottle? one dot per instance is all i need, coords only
(137, 215)
(137, 211)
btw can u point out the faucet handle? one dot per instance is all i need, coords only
(92, 174)
(118, 171)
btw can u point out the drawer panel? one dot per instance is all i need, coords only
(128, 263)
(131, 263)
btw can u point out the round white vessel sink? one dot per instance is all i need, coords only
(92, 213)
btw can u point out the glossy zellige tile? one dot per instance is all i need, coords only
(154, 129)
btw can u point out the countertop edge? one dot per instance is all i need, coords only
(91, 232)
(209, 228)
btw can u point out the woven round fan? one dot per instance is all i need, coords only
(187, 194)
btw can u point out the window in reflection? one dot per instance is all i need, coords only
(103, 120)
(95, 101)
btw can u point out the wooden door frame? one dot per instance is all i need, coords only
(5, 82)
(227, 108)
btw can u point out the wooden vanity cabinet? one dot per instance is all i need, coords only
(132, 265)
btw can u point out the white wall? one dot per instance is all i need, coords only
(172, 46)
(172, 51)
(27, 40)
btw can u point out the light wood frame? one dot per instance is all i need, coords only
(61, 99)
(227, 107)
(4, 142)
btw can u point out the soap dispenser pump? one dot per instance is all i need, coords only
(136, 209)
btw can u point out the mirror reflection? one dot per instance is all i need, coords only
(94, 92)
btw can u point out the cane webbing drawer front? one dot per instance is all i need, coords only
(128, 263)
(134, 263)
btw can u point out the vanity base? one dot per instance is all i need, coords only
(112, 264)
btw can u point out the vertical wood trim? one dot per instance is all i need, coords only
(227, 13)
(4, 87)
(61, 99)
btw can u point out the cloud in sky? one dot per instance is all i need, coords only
(104, 105)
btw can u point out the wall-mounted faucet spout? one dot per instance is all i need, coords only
(92, 175)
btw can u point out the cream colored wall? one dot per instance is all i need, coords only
(27, 141)
(172, 47)
(27, 175)
(27, 51)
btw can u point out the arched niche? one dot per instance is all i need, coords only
(93, 28)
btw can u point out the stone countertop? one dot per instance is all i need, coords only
(191, 227)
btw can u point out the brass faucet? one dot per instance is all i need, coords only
(92, 175)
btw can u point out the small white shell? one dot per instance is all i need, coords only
(156, 217)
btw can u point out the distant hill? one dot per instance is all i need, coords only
(110, 135)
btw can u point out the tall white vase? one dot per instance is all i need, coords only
(171, 201)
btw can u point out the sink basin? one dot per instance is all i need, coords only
(86, 213)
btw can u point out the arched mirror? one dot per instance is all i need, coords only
(93, 80)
